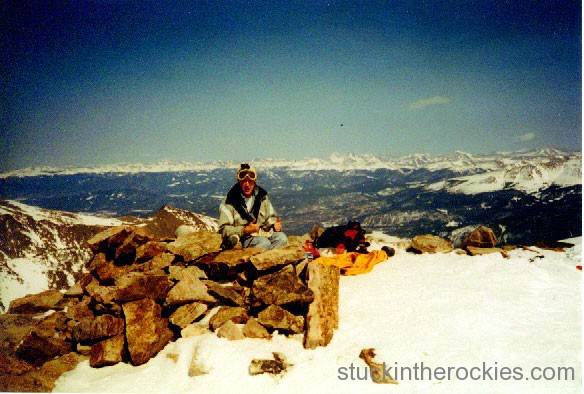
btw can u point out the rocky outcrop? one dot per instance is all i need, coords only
(56, 242)
(143, 292)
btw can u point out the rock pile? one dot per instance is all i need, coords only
(142, 292)
(481, 240)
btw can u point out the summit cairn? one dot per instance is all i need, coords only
(142, 292)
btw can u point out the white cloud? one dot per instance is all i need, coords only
(427, 102)
(526, 137)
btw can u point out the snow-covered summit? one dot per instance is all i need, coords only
(444, 323)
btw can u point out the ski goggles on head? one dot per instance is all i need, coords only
(247, 173)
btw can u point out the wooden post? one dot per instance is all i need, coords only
(323, 313)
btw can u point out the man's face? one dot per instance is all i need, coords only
(247, 186)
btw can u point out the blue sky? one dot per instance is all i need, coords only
(96, 81)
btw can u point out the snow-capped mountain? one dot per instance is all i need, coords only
(458, 162)
(528, 173)
(527, 196)
(44, 249)
(41, 249)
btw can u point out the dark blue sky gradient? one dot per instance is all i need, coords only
(93, 82)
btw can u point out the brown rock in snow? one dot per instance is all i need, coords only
(146, 331)
(431, 244)
(481, 237)
(277, 318)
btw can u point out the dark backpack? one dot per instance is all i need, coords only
(351, 236)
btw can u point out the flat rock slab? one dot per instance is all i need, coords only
(226, 313)
(228, 264)
(431, 244)
(234, 257)
(280, 288)
(186, 314)
(194, 245)
(150, 250)
(138, 285)
(36, 303)
(226, 294)
(112, 237)
(278, 257)
(179, 273)
(188, 290)
(476, 251)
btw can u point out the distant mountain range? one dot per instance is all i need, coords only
(47, 214)
(456, 161)
(527, 196)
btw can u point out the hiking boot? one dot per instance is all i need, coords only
(389, 251)
(229, 242)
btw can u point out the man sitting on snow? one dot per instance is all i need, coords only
(247, 215)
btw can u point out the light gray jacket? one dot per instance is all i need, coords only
(234, 215)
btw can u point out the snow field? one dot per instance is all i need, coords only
(444, 310)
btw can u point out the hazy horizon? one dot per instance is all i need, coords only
(266, 162)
